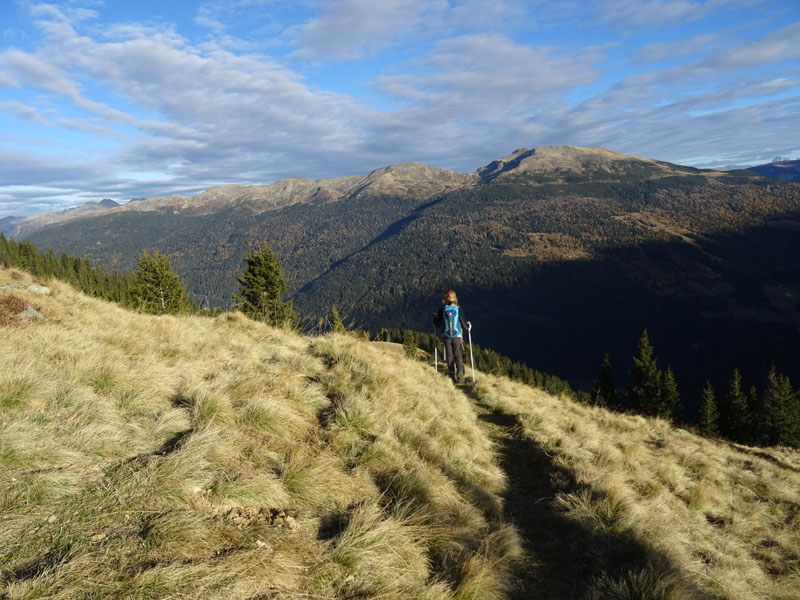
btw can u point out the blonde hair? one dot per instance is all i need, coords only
(449, 297)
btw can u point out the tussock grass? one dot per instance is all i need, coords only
(649, 511)
(187, 457)
(147, 457)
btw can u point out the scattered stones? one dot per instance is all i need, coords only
(30, 313)
(17, 285)
(264, 545)
(39, 289)
(244, 516)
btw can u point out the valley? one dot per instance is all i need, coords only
(559, 254)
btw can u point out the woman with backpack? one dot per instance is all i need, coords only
(450, 324)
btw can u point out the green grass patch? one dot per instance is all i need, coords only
(15, 394)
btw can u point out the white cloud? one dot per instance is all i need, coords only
(679, 49)
(355, 29)
(657, 14)
(23, 111)
(198, 114)
(352, 29)
(774, 47)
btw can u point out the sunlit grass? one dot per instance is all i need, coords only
(126, 440)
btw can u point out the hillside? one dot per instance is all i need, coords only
(579, 248)
(202, 457)
(784, 170)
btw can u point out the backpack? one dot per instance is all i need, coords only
(452, 323)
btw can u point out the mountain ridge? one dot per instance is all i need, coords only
(410, 178)
(783, 169)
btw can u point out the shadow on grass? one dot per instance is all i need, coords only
(595, 557)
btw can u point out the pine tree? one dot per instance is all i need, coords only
(669, 398)
(4, 251)
(793, 413)
(261, 286)
(604, 390)
(337, 325)
(789, 432)
(410, 344)
(777, 421)
(157, 289)
(708, 420)
(644, 395)
(736, 416)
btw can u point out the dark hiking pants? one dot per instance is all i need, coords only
(453, 352)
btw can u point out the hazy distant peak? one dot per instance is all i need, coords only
(108, 203)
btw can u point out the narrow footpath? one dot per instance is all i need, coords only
(552, 567)
(564, 558)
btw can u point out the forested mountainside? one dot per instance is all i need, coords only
(785, 170)
(559, 255)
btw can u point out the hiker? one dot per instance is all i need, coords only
(450, 325)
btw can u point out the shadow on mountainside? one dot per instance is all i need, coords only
(592, 558)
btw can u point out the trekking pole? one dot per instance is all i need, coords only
(471, 358)
(435, 350)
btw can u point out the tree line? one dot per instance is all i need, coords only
(768, 416)
(154, 287)
(486, 360)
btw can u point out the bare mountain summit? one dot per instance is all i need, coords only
(545, 165)
(559, 163)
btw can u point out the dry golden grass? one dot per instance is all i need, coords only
(705, 518)
(153, 457)
(190, 457)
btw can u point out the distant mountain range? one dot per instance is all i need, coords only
(781, 168)
(558, 254)
(19, 226)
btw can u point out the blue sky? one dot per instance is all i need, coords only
(118, 99)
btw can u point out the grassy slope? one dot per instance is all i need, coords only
(637, 509)
(186, 457)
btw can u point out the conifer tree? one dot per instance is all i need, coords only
(777, 422)
(604, 390)
(410, 344)
(737, 417)
(157, 289)
(708, 420)
(261, 287)
(669, 398)
(644, 395)
(337, 325)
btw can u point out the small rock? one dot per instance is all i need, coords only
(291, 523)
(264, 545)
(12, 287)
(30, 313)
(52, 519)
(99, 537)
(39, 289)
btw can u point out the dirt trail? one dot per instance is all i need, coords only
(551, 569)
(565, 559)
